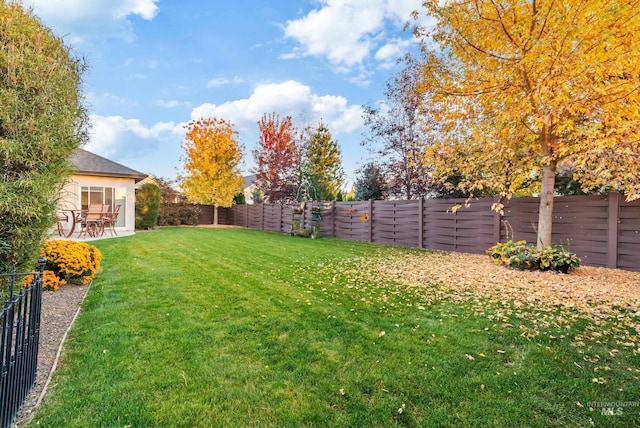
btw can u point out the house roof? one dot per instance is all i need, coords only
(249, 180)
(89, 163)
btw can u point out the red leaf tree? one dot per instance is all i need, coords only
(276, 159)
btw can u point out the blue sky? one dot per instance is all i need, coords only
(156, 64)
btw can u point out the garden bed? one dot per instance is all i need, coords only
(58, 311)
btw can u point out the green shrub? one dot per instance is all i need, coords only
(520, 255)
(42, 122)
(178, 214)
(555, 257)
(147, 206)
(305, 233)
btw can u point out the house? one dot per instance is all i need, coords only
(98, 180)
(249, 188)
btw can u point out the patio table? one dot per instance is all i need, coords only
(75, 217)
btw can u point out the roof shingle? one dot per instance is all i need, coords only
(89, 163)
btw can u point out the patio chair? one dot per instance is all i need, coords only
(92, 222)
(110, 219)
(62, 218)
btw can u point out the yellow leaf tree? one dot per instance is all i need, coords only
(212, 157)
(522, 88)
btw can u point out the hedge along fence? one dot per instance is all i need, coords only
(603, 230)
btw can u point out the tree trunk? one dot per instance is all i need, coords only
(215, 214)
(545, 213)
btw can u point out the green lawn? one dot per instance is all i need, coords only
(193, 327)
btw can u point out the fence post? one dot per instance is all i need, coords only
(421, 223)
(370, 220)
(333, 218)
(612, 229)
(497, 220)
(246, 216)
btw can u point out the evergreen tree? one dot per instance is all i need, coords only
(148, 206)
(370, 183)
(324, 165)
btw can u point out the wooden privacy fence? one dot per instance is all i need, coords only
(603, 230)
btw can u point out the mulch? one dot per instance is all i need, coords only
(59, 309)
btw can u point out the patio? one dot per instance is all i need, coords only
(96, 222)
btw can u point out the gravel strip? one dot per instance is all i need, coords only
(58, 311)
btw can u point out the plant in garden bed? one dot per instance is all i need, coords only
(68, 262)
(521, 255)
(305, 233)
(71, 261)
(50, 281)
(555, 257)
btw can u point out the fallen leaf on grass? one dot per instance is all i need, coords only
(398, 278)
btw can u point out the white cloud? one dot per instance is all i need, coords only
(286, 98)
(172, 103)
(114, 136)
(80, 20)
(400, 10)
(221, 81)
(168, 103)
(346, 32)
(390, 52)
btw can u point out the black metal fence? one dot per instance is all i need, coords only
(20, 320)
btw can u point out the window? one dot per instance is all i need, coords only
(110, 196)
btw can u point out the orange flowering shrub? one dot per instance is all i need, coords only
(50, 281)
(71, 261)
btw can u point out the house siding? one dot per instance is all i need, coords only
(70, 196)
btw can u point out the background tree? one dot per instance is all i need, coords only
(323, 168)
(42, 122)
(370, 183)
(276, 159)
(240, 199)
(524, 87)
(147, 206)
(212, 158)
(396, 134)
(168, 193)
